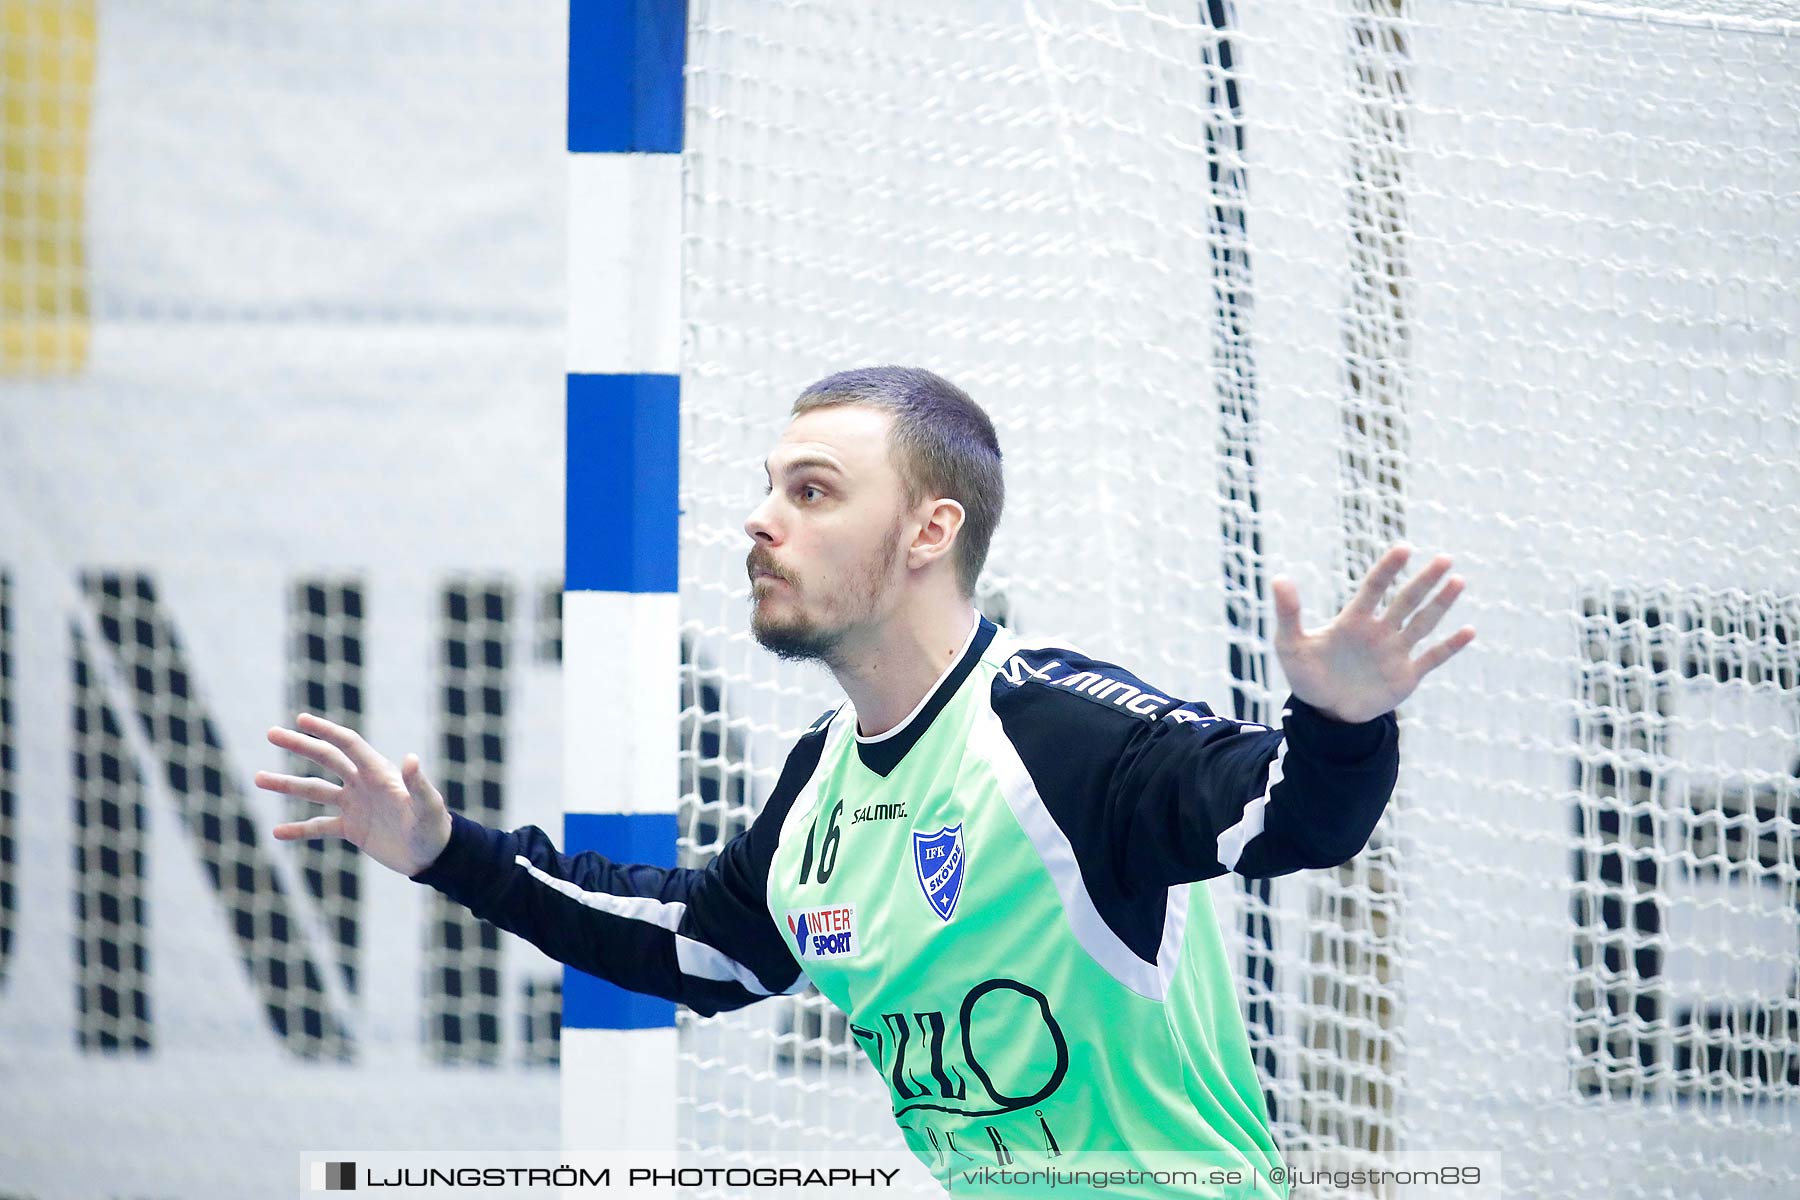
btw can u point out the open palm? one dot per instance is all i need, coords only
(391, 814)
(1361, 664)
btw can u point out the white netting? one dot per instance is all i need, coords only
(1513, 281)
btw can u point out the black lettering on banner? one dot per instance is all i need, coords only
(1642, 845)
(462, 952)
(325, 677)
(112, 931)
(8, 905)
(1049, 1138)
(1002, 1156)
(161, 692)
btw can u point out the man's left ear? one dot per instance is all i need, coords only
(939, 526)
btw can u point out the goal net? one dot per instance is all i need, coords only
(1259, 288)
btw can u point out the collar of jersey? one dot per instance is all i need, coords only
(883, 752)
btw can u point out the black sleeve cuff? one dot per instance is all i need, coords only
(473, 851)
(1331, 740)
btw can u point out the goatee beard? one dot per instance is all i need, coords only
(795, 643)
(807, 642)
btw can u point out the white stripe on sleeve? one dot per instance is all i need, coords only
(695, 958)
(1250, 823)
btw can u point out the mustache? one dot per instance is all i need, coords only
(760, 561)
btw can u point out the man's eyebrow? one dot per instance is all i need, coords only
(806, 461)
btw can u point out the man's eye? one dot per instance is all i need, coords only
(809, 493)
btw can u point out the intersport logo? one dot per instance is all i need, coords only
(828, 932)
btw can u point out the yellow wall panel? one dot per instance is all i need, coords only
(46, 90)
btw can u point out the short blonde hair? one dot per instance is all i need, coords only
(943, 445)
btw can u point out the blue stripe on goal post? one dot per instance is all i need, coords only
(623, 474)
(625, 62)
(622, 648)
(590, 1003)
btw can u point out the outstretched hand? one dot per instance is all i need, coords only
(393, 815)
(1361, 664)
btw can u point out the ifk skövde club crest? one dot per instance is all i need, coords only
(939, 859)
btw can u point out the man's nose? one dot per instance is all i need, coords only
(760, 524)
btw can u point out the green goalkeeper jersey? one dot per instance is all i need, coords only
(999, 893)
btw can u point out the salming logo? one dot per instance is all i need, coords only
(878, 812)
(1094, 684)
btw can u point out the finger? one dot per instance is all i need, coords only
(323, 753)
(303, 787)
(1427, 618)
(1287, 608)
(315, 827)
(1415, 591)
(420, 787)
(1386, 569)
(345, 739)
(1439, 654)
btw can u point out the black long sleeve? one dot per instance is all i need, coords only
(1161, 792)
(704, 938)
